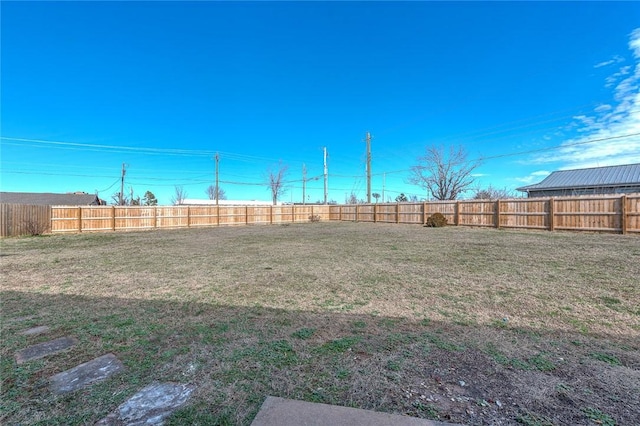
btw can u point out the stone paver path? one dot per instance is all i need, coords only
(87, 373)
(35, 330)
(151, 406)
(44, 349)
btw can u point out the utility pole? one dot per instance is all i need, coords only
(217, 194)
(384, 176)
(368, 168)
(124, 171)
(326, 177)
(304, 184)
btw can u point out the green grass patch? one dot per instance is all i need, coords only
(598, 416)
(338, 345)
(609, 359)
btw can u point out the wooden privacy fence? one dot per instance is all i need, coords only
(129, 218)
(608, 213)
(20, 219)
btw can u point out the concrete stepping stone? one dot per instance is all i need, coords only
(84, 374)
(151, 406)
(20, 319)
(35, 330)
(288, 412)
(44, 349)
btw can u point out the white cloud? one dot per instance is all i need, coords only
(534, 177)
(615, 60)
(611, 80)
(607, 125)
(603, 107)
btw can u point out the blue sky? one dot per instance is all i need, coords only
(162, 86)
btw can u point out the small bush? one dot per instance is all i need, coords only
(436, 220)
(314, 218)
(33, 227)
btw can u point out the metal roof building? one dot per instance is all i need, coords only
(597, 180)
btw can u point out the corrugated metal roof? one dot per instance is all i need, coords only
(47, 199)
(628, 174)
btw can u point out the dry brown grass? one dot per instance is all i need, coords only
(391, 311)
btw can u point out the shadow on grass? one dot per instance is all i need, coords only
(236, 356)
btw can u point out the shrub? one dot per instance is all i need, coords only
(436, 220)
(33, 227)
(314, 218)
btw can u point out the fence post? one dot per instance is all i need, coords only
(188, 217)
(356, 212)
(375, 216)
(79, 214)
(246, 215)
(271, 214)
(398, 212)
(424, 213)
(552, 214)
(113, 218)
(457, 216)
(293, 213)
(339, 213)
(497, 214)
(155, 217)
(623, 213)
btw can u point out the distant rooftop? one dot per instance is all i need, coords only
(49, 199)
(610, 176)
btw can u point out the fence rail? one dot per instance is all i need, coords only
(603, 213)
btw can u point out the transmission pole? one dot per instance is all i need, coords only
(368, 168)
(326, 177)
(217, 193)
(124, 171)
(304, 183)
(384, 176)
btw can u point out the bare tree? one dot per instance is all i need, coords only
(117, 200)
(179, 196)
(376, 196)
(445, 174)
(352, 199)
(215, 193)
(275, 181)
(491, 193)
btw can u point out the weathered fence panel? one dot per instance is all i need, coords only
(20, 219)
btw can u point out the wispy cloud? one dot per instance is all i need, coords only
(534, 177)
(607, 122)
(612, 79)
(615, 60)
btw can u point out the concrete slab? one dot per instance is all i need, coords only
(288, 412)
(151, 406)
(45, 349)
(35, 330)
(84, 374)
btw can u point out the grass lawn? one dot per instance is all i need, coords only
(476, 326)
